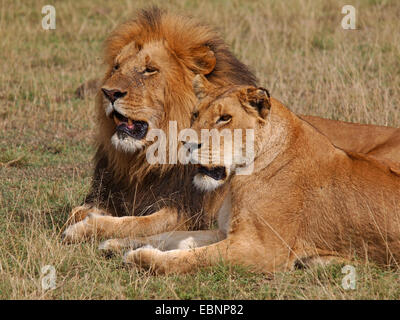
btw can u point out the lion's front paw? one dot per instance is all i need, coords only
(79, 214)
(81, 230)
(147, 258)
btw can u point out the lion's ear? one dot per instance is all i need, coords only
(201, 86)
(204, 60)
(258, 98)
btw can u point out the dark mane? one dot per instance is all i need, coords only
(184, 36)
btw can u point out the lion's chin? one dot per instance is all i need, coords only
(126, 143)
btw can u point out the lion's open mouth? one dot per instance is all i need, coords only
(136, 129)
(217, 173)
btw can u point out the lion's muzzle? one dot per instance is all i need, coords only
(136, 130)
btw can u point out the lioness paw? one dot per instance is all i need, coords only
(109, 245)
(119, 244)
(146, 257)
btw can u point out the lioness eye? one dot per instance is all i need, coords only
(116, 67)
(224, 118)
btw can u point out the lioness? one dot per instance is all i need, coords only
(151, 62)
(305, 200)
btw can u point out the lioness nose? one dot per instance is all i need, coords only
(113, 94)
(191, 146)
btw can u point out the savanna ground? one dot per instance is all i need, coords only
(298, 50)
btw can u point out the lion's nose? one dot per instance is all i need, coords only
(191, 146)
(113, 94)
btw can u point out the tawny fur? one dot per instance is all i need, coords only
(378, 141)
(306, 199)
(124, 183)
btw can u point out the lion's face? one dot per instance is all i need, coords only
(134, 93)
(236, 115)
(152, 60)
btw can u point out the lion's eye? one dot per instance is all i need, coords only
(224, 118)
(150, 70)
(116, 67)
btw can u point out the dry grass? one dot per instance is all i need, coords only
(297, 49)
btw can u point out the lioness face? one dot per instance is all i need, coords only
(242, 109)
(134, 93)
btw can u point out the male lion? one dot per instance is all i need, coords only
(306, 200)
(152, 61)
(151, 64)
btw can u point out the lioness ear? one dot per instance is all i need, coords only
(201, 86)
(259, 98)
(204, 60)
